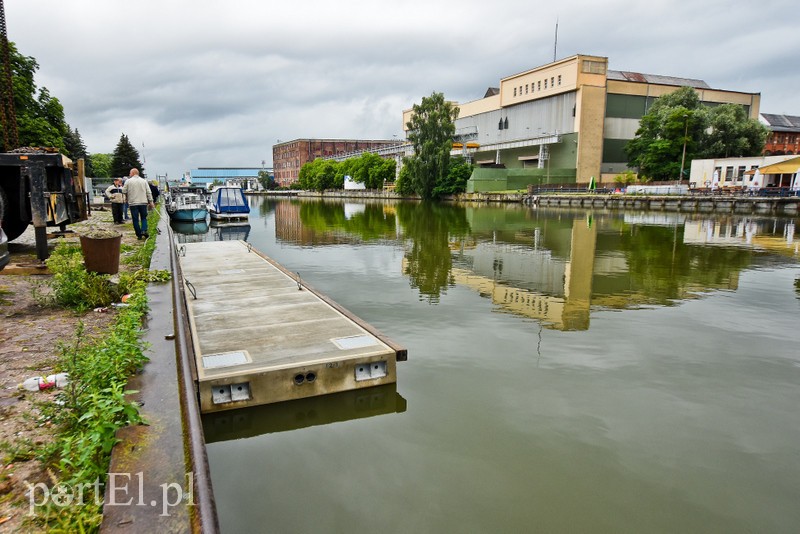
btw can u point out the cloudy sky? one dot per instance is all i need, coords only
(207, 83)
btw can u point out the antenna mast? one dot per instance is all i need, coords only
(555, 43)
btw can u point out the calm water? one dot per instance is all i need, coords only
(569, 371)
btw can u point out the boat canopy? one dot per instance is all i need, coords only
(229, 200)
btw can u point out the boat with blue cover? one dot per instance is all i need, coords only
(228, 203)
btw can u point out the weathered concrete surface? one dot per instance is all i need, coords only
(150, 467)
(256, 329)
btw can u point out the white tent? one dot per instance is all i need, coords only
(349, 183)
(796, 182)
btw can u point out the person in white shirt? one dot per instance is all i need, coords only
(137, 190)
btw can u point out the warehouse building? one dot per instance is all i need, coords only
(565, 122)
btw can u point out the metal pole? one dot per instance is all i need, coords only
(683, 158)
(37, 177)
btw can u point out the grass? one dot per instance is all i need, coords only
(88, 412)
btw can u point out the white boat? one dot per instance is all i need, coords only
(228, 203)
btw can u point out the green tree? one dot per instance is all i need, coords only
(266, 180)
(431, 131)
(732, 134)
(679, 119)
(369, 169)
(125, 158)
(455, 182)
(380, 172)
(657, 148)
(318, 175)
(40, 117)
(403, 183)
(76, 149)
(101, 164)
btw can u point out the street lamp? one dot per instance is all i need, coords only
(685, 133)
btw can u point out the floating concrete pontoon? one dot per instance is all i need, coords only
(260, 335)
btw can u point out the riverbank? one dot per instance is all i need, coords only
(31, 334)
(612, 201)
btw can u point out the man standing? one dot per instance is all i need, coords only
(114, 193)
(140, 198)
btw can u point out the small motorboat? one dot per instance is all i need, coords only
(228, 203)
(184, 206)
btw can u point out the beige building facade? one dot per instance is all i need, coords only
(569, 121)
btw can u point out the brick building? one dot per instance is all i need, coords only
(784, 137)
(289, 157)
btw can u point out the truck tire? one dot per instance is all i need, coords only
(9, 212)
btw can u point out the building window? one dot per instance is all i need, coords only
(594, 67)
(526, 88)
(515, 91)
(552, 82)
(742, 170)
(539, 85)
(545, 83)
(559, 79)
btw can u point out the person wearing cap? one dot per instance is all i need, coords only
(114, 193)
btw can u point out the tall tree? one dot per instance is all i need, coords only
(76, 149)
(125, 158)
(432, 127)
(40, 117)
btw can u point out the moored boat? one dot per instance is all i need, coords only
(186, 205)
(228, 203)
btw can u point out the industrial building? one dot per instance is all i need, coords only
(245, 177)
(290, 156)
(565, 122)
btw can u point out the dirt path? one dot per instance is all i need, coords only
(29, 339)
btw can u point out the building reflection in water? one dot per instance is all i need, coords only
(550, 265)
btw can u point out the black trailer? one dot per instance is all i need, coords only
(40, 186)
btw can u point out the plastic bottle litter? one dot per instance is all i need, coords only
(39, 383)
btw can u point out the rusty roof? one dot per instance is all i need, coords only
(638, 77)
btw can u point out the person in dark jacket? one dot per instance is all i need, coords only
(154, 190)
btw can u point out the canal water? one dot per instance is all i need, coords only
(568, 371)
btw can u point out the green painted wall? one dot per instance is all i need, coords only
(488, 179)
(625, 106)
(614, 150)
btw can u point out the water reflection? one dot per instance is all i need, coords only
(189, 232)
(690, 409)
(229, 231)
(303, 413)
(430, 230)
(551, 265)
(332, 223)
